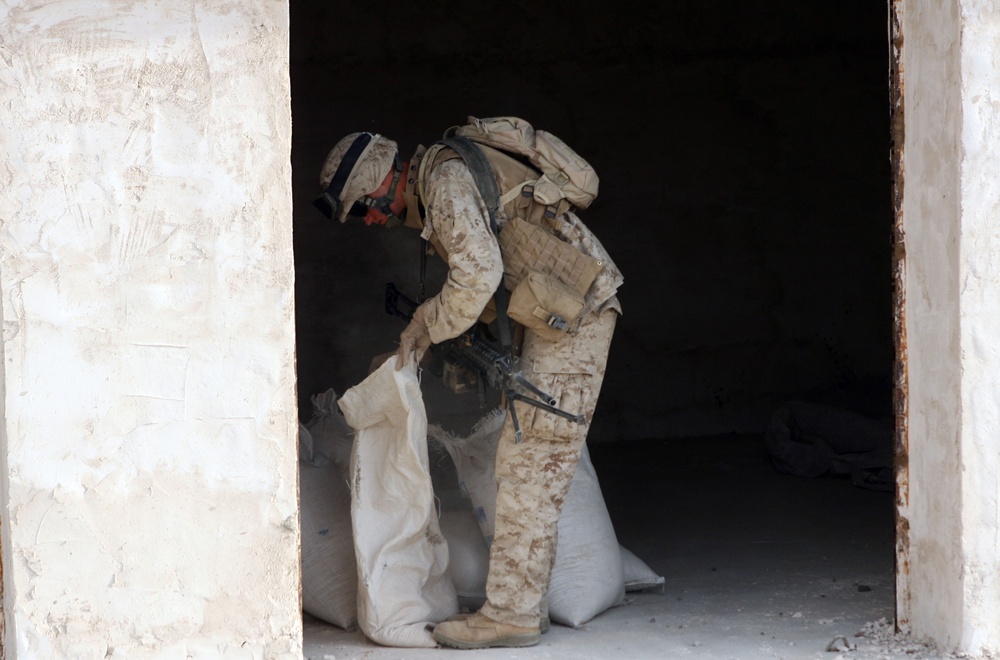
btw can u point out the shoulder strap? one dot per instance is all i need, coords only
(486, 181)
(482, 173)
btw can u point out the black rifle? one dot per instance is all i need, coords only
(474, 352)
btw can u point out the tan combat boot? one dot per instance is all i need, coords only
(477, 631)
(544, 624)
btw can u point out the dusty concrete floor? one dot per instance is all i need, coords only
(757, 564)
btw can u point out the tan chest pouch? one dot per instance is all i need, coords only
(547, 277)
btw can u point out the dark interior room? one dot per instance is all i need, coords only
(745, 194)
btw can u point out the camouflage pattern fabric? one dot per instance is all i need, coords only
(533, 476)
(458, 218)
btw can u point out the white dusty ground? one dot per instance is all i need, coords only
(757, 565)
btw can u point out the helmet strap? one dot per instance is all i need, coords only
(384, 203)
(329, 202)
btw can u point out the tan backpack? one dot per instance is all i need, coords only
(566, 180)
(509, 160)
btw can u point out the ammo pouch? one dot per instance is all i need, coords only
(545, 305)
(548, 278)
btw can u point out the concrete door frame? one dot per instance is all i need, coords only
(901, 437)
(945, 125)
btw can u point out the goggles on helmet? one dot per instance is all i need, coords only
(329, 206)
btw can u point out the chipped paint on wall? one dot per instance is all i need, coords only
(147, 295)
(901, 448)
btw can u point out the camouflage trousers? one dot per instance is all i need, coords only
(533, 476)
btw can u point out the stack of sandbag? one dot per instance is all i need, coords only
(402, 558)
(589, 572)
(392, 499)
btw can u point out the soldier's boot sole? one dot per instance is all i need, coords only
(480, 632)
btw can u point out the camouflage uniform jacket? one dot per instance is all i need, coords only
(456, 222)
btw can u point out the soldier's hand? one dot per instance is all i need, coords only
(415, 339)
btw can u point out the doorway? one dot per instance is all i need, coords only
(746, 195)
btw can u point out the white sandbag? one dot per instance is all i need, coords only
(474, 457)
(468, 557)
(587, 575)
(403, 583)
(638, 575)
(329, 570)
(305, 444)
(331, 438)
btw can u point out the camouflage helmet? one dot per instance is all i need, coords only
(355, 167)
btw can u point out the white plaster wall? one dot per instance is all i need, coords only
(979, 272)
(931, 210)
(951, 202)
(148, 335)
